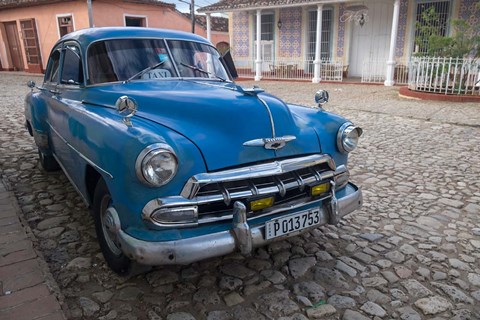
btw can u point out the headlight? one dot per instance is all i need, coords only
(347, 137)
(156, 165)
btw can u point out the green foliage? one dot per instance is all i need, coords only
(464, 42)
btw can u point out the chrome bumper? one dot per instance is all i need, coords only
(240, 237)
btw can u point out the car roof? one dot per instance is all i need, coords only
(87, 36)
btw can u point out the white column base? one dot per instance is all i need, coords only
(317, 65)
(388, 83)
(393, 42)
(390, 73)
(258, 70)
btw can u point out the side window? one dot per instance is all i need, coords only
(72, 72)
(53, 67)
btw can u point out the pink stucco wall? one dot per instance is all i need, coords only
(112, 13)
(47, 29)
(105, 13)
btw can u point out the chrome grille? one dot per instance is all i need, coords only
(212, 195)
(284, 187)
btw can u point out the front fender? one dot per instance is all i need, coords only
(102, 137)
(36, 116)
(326, 125)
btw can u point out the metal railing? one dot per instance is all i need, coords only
(438, 75)
(444, 75)
(374, 71)
(291, 69)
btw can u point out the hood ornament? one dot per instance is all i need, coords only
(254, 91)
(127, 107)
(270, 143)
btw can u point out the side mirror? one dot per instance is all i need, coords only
(228, 62)
(321, 97)
(31, 84)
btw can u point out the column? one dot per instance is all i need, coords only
(90, 14)
(209, 28)
(318, 41)
(209, 37)
(393, 43)
(258, 58)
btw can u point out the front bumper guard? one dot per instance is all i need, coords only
(241, 237)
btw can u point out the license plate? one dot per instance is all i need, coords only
(292, 223)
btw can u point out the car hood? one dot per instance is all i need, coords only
(217, 117)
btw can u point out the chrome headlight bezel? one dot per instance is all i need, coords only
(347, 137)
(144, 159)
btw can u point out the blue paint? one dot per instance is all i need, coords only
(205, 121)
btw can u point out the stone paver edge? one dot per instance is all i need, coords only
(49, 281)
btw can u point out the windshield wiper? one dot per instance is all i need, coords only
(141, 73)
(202, 71)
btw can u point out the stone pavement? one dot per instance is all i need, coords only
(24, 288)
(412, 252)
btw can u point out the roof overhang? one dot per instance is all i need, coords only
(10, 4)
(264, 5)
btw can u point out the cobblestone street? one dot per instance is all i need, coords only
(412, 252)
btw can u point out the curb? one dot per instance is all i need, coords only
(27, 288)
(404, 92)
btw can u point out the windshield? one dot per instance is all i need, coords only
(148, 59)
(196, 60)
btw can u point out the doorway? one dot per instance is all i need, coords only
(13, 45)
(370, 43)
(30, 42)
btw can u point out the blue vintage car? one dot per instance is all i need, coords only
(176, 161)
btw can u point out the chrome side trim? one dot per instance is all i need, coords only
(79, 153)
(256, 171)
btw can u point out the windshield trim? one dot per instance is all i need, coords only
(165, 40)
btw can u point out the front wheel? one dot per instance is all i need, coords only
(107, 239)
(47, 161)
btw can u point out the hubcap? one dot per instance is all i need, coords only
(108, 226)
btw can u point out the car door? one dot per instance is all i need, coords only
(50, 96)
(65, 91)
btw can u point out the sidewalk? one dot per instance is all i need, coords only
(24, 289)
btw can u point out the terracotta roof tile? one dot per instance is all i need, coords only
(218, 23)
(5, 4)
(226, 5)
(152, 2)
